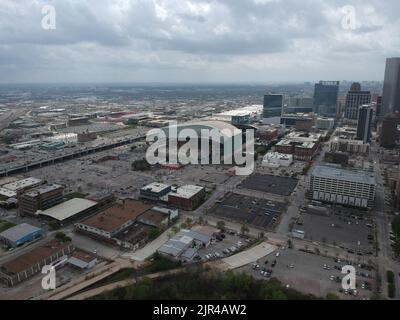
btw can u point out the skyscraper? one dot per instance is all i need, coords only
(391, 87)
(326, 98)
(364, 125)
(388, 132)
(273, 104)
(354, 99)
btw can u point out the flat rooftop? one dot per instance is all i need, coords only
(186, 192)
(156, 187)
(68, 209)
(21, 184)
(7, 193)
(331, 172)
(42, 190)
(19, 231)
(31, 258)
(119, 214)
(153, 216)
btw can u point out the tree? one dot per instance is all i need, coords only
(175, 229)
(221, 225)
(244, 229)
(189, 221)
(61, 236)
(201, 220)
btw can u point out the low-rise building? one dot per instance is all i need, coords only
(20, 234)
(187, 197)
(325, 123)
(303, 146)
(108, 223)
(23, 184)
(154, 218)
(82, 260)
(350, 146)
(28, 264)
(40, 198)
(154, 191)
(185, 244)
(276, 160)
(69, 210)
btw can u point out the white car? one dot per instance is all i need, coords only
(277, 254)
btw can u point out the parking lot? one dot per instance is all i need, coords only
(260, 213)
(310, 273)
(282, 186)
(228, 246)
(346, 232)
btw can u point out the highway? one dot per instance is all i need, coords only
(68, 156)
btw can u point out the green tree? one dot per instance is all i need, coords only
(221, 225)
(244, 229)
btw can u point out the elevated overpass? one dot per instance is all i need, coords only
(31, 165)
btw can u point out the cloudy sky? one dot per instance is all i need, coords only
(197, 40)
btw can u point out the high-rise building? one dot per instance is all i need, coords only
(391, 87)
(299, 104)
(326, 98)
(388, 132)
(354, 99)
(273, 104)
(364, 124)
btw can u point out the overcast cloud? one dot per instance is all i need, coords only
(196, 41)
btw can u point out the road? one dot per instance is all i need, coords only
(385, 256)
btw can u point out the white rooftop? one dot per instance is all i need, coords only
(7, 193)
(21, 184)
(186, 191)
(156, 187)
(68, 209)
(343, 174)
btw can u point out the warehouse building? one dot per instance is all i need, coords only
(108, 223)
(154, 218)
(346, 187)
(154, 191)
(20, 234)
(28, 264)
(185, 244)
(69, 210)
(187, 197)
(82, 260)
(40, 198)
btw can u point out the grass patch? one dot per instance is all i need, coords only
(4, 225)
(74, 195)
